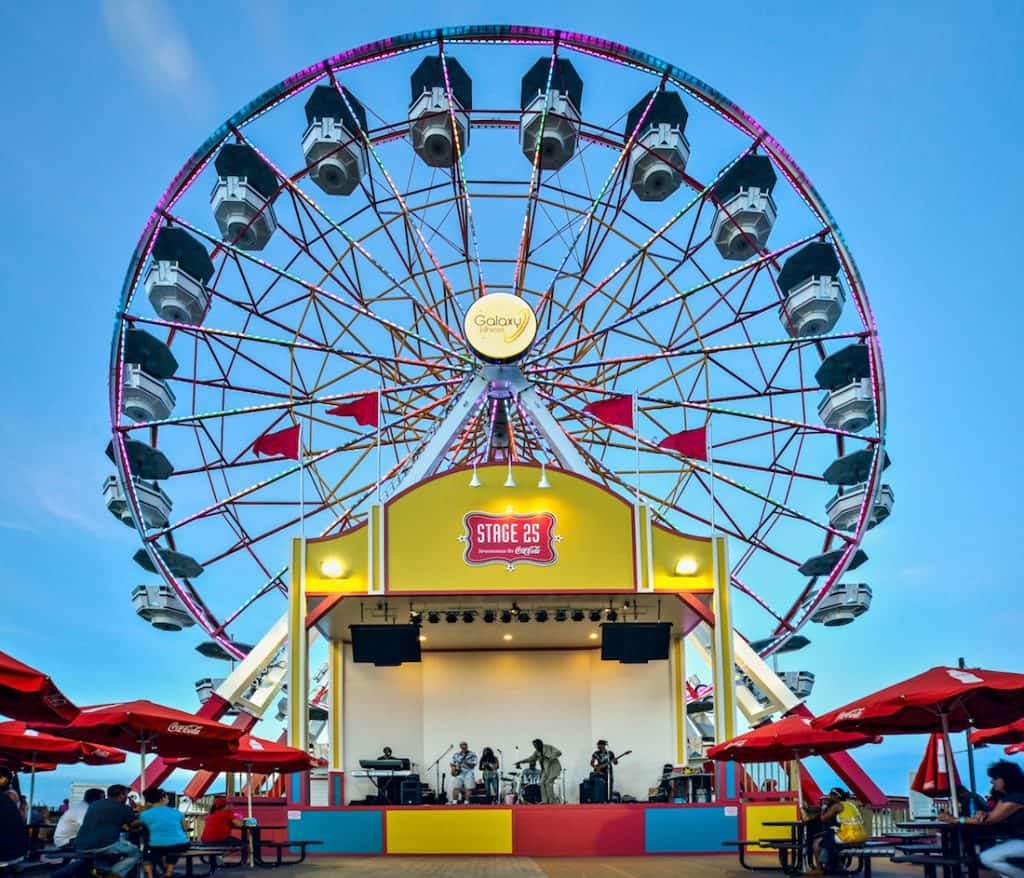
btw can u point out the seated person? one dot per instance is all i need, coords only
(71, 820)
(165, 828)
(219, 823)
(100, 834)
(13, 835)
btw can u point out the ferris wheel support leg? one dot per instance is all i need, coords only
(298, 654)
(723, 643)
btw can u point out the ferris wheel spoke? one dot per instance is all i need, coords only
(650, 242)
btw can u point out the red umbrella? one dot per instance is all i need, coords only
(30, 695)
(932, 776)
(252, 754)
(148, 727)
(939, 700)
(1011, 733)
(1014, 748)
(20, 744)
(793, 737)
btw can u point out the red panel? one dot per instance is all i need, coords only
(578, 831)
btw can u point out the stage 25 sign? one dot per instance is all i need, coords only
(510, 539)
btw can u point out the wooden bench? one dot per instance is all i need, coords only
(279, 847)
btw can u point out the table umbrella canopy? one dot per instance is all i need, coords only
(939, 700)
(19, 743)
(145, 726)
(793, 737)
(19, 767)
(252, 754)
(1011, 733)
(1014, 748)
(28, 694)
(932, 778)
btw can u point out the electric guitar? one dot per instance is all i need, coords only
(601, 769)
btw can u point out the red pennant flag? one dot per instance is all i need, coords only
(365, 409)
(283, 442)
(616, 410)
(689, 443)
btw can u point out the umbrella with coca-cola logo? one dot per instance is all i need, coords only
(940, 700)
(148, 728)
(28, 694)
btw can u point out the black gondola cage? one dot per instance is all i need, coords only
(564, 79)
(667, 107)
(749, 171)
(327, 102)
(430, 74)
(240, 160)
(817, 259)
(176, 245)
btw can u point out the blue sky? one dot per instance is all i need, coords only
(904, 115)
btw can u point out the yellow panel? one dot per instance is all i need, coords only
(675, 555)
(347, 552)
(451, 831)
(755, 815)
(594, 529)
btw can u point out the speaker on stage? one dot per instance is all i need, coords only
(385, 645)
(635, 643)
(411, 793)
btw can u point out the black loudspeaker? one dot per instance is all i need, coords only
(411, 791)
(635, 643)
(586, 791)
(385, 645)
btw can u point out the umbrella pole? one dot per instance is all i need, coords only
(248, 772)
(950, 767)
(142, 765)
(31, 789)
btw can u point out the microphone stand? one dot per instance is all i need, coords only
(501, 763)
(437, 764)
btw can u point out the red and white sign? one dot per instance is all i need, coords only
(510, 539)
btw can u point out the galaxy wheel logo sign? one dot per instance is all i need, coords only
(510, 539)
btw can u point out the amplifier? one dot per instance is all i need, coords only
(411, 793)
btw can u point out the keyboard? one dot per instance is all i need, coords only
(374, 772)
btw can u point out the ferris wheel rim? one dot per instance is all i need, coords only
(615, 52)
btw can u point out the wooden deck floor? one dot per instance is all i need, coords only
(525, 867)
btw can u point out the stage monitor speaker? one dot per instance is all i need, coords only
(385, 645)
(635, 643)
(411, 791)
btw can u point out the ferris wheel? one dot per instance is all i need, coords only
(328, 241)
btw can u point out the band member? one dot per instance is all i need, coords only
(386, 754)
(602, 771)
(550, 768)
(463, 777)
(388, 787)
(489, 769)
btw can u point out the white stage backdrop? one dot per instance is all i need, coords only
(504, 699)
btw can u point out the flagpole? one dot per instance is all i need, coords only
(636, 440)
(380, 395)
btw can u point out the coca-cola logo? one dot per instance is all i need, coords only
(856, 713)
(510, 539)
(176, 728)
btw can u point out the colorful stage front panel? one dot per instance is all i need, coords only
(449, 831)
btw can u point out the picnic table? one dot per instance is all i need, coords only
(956, 849)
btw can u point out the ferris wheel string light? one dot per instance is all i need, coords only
(665, 243)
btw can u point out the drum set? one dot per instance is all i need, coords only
(521, 787)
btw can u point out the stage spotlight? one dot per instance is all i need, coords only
(561, 615)
(577, 615)
(451, 617)
(612, 615)
(506, 616)
(467, 616)
(542, 615)
(489, 616)
(595, 615)
(433, 617)
(524, 616)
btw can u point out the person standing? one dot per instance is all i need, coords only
(602, 768)
(463, 775)
(165, 828)
(490, 769)
(71, 820)
(550, 769)
(101, 830)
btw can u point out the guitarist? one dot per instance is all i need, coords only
(602, 765)
(463, 777)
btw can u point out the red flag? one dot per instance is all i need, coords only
(283, 442)
(365, 409)
(616, 410)
(689, 443)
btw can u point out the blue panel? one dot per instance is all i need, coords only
(688, 830)
(342, 832)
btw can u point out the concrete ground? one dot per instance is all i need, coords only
(526, 867)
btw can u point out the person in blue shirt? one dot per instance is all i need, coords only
(165, 833)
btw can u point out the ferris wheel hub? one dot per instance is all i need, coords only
(500, 327)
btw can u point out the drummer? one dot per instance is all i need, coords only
(550, 768)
